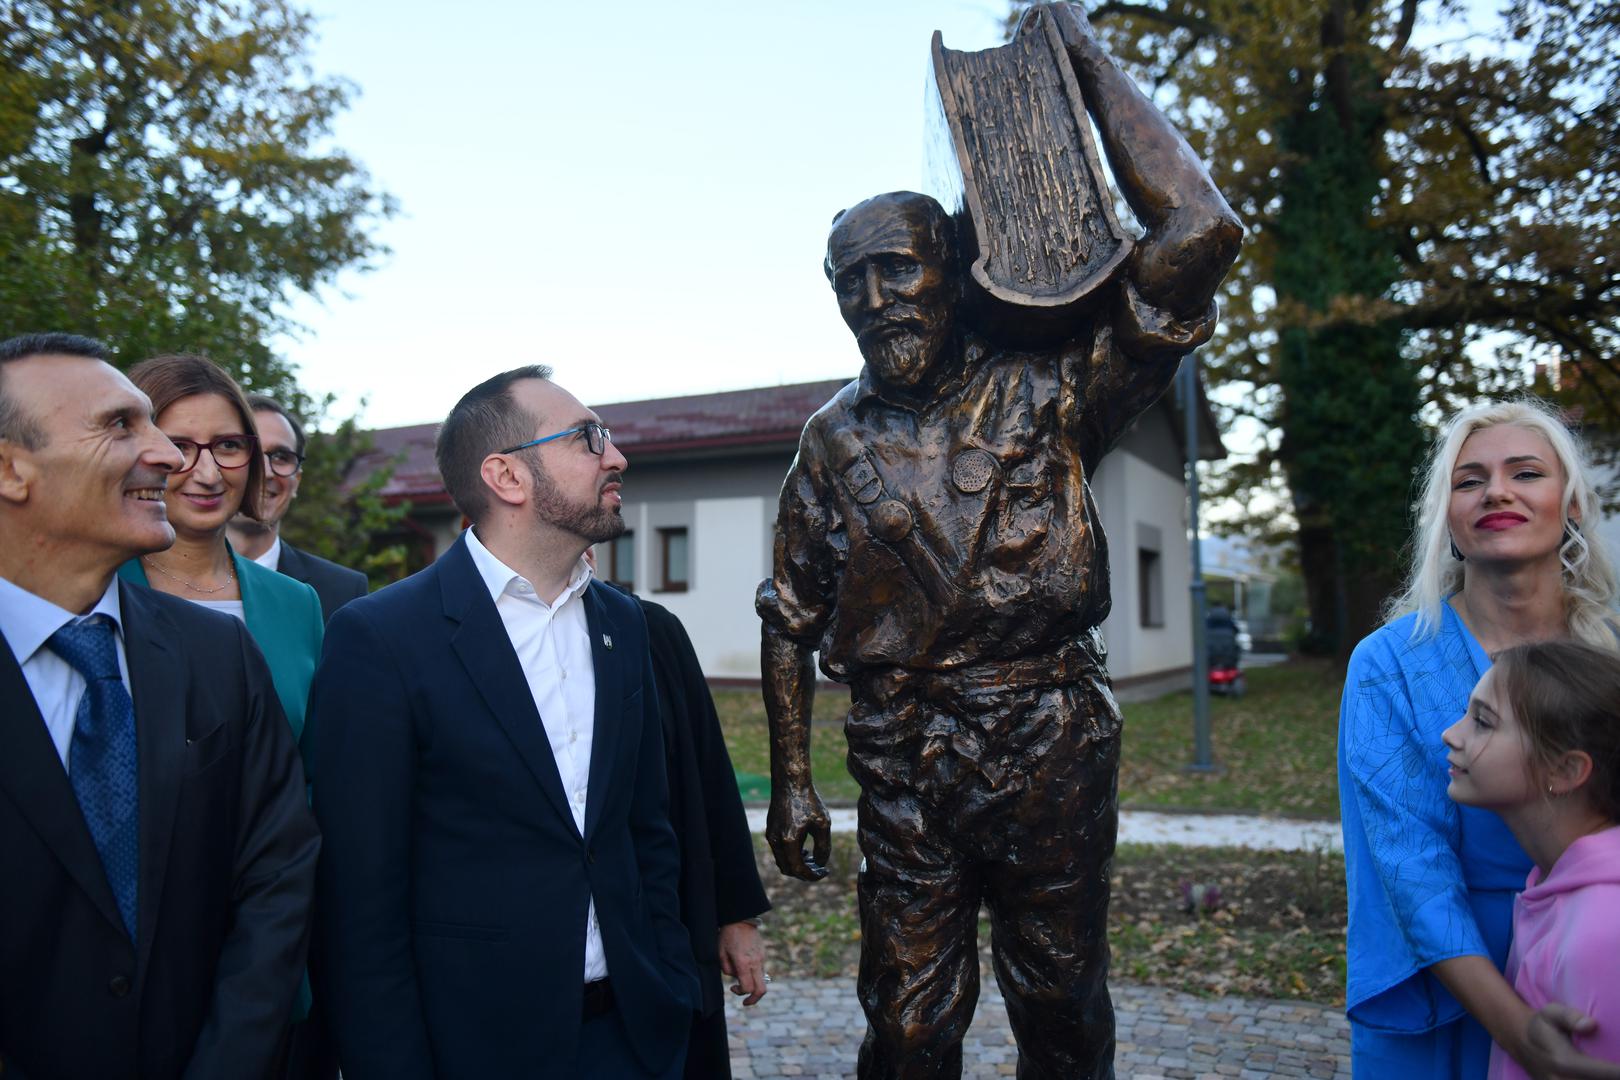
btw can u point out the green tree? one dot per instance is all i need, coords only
(339, 522)
(1432, 213)
(165, 182)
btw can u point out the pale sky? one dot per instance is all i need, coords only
(635, 193)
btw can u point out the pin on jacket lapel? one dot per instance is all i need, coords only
(611, 691)
(481, 643)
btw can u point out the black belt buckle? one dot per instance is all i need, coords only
(598, 998)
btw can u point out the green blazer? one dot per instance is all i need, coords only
(284, 617)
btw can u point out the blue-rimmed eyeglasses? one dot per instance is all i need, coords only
(596, 439)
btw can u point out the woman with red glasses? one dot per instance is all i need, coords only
(205, 414)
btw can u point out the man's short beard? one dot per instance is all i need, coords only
(593, 523)
(906, 360)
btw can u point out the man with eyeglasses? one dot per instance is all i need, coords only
(156, 851)
(282, 441)
(499, 892)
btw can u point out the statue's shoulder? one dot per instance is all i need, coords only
(836, 412)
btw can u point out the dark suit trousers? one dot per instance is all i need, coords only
(307, 1051)
(604, 1052)
(708, 1055)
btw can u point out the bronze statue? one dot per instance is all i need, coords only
(937, 544)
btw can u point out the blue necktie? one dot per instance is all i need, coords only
(101, 758)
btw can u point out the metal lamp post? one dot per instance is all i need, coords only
(1203, 755)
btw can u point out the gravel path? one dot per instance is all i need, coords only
(1194, 830)
(812, 1028)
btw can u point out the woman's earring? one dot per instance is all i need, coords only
(1455, 554)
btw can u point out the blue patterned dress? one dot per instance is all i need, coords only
(1428, 880)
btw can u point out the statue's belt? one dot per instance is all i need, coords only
(937, 729)
(1073, 664)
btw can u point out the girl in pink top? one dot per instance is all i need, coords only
(1540, 745)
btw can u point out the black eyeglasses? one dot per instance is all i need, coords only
(283, 462)
(596, 439)
(228, 451)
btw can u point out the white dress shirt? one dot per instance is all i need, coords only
(553, 646)
(28, 621)
(229, 607)
(271, 559)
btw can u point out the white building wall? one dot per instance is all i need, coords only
(727, 563)
(1108, 492)
(1143, 506)
(444, 529)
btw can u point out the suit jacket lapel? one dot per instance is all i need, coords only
(481, 643)
(157, 677)
(33, 776)
(292, 563)
(609, 665)
(259, 612)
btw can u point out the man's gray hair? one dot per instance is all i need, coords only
(16, 425)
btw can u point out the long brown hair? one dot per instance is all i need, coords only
(1566, 696)
(167, 379)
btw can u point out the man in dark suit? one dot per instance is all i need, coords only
(157, 854)
(721, 894)
(498, 889)
(282, 441)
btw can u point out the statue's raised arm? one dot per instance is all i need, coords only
(1192, 234)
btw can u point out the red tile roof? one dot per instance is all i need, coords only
(699, 423)
(416, 475)
(772, 415)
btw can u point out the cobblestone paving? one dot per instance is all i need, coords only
(812, 1027)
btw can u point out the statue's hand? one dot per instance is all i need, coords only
(797, 815)
(1073, 26)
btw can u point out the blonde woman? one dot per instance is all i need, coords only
(1500, 559)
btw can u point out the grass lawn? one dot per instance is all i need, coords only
(1276, 930)
(1275, 745)
(742, 718)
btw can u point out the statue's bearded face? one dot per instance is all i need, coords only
(895, 289)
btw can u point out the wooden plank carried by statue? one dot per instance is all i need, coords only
(1022, 177)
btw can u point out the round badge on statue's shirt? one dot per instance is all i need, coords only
(972, 470)
(891, 520)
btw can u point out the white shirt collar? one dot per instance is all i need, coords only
(271, 559)
(501, 579)
(28, 621)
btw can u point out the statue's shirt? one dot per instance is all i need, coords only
(963, 531)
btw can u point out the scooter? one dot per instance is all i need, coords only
(1228, 681)
(1225, 669)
